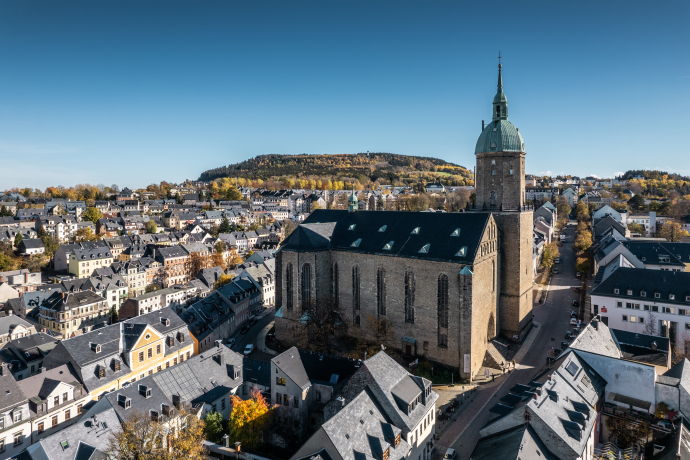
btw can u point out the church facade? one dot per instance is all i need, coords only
(443, 284)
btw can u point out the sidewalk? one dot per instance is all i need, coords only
(261, 340)
(449, 433)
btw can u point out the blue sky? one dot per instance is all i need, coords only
(133, 92)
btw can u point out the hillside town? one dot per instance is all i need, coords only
(517, 317)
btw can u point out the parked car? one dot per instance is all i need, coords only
(557, 261)
(230, 343)
(245, 329)
(573, 314)
(555, 270)
(252, 321)
(450, 454)
(562, 237)
(576, 303)
(573, 322)
(248, 349)
(578, 274)
(579, 324)
(568, 335)
(577, 289)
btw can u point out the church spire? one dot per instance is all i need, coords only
(500, 100)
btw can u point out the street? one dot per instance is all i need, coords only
(554, 316)
(242, 340)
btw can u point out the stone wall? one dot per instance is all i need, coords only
(472, 302)
(494, 174)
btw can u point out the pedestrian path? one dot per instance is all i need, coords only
(452, 432)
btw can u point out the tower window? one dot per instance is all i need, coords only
(511, 172)
(493, 162)
(493, 173)
(498, 110)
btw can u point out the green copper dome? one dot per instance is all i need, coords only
(500, 135)
(352, 198)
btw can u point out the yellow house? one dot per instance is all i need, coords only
(83, 262)
(122, 353)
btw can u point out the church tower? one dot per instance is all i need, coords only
(500, 189)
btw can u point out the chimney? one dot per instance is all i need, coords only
(536, 397)
(26, 277)
(219, 343)
(595, 325)
(654, 346)
(339, 402)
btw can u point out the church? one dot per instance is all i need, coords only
(444, 283)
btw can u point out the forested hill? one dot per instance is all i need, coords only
(370, 165)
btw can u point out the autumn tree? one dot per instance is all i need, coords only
(288, 227)
(223, 280)
(248, 419)
(563, 207)
(582, 211)
(583, 264)
(92, 215)
(197, 262)
(583, 241)
(672, 231)
(85, 234)
(636, 228)
(550, 254)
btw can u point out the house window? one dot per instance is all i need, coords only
(646, 307)
(628, 305)
(381, 291)
(625, 317)
(55, 420)
(640, 319)
(633, 319)
(41, 428)
(672, 297)
(64, 397)
(18, 438)
(668, 310)
(279, 398)
(67, 414)
(222, 404)
(79, 407)
(619, 304)
(286, 400)
(2, 445)
(158, 349)
(296, 402)
(409, 296)
(655, 308)
(141, 356)
(657, 295)
(280, 381)
(56, 401)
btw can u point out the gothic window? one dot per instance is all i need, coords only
(306, 286)
(381, 291)
(336, 286)
(498, 110)
(492, 197)
(409, 296)
(442, 301)
(289, 286)
(355, 287)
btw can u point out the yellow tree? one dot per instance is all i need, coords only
(197, 262)
(672, 231)
(223, 280)
(249, 419)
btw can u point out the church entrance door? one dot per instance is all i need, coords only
(408, 350)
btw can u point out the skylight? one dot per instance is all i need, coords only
(462, 252)
(383, 229)
(425, 249)
(415, 231)
(352, 227)
(456, 232)
(356, 243)
(388, 246)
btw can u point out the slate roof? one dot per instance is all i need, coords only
(362, 430)
(41, 385)
(8, 323)
(257, 372)
(373, 230)
(28, 349)
(649, 251)
(66, 301)
(597, 338)
(606, 223)
(11, 394)
(92, 254)
(87, 439)
(32, 243)
(679, 250)
(520, 441)
(209, 276)
(388, 376)
(290, 362)
(665, 283)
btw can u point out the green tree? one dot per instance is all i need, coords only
(214, 426)
(225, 226)
(18, 240)
(636, 203)
(91, 214)
(114, 318)
(152, 287)
(636, 228)
(151, 227)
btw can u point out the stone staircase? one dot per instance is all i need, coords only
(493, 357)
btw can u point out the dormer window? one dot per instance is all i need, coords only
(456, 232)
(672, 297)
(462, 252)
(629, 291)
(388, 246)
(425, 249)
(355, 244)
(657, 295)
(101, 372)
(415, 231)
(383, 229)
(352, 227)
(616, 291)
(643, 293)
(687, 298)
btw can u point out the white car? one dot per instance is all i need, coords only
(450, 455)
(248, 349)
(573, 322)
(557, 261)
